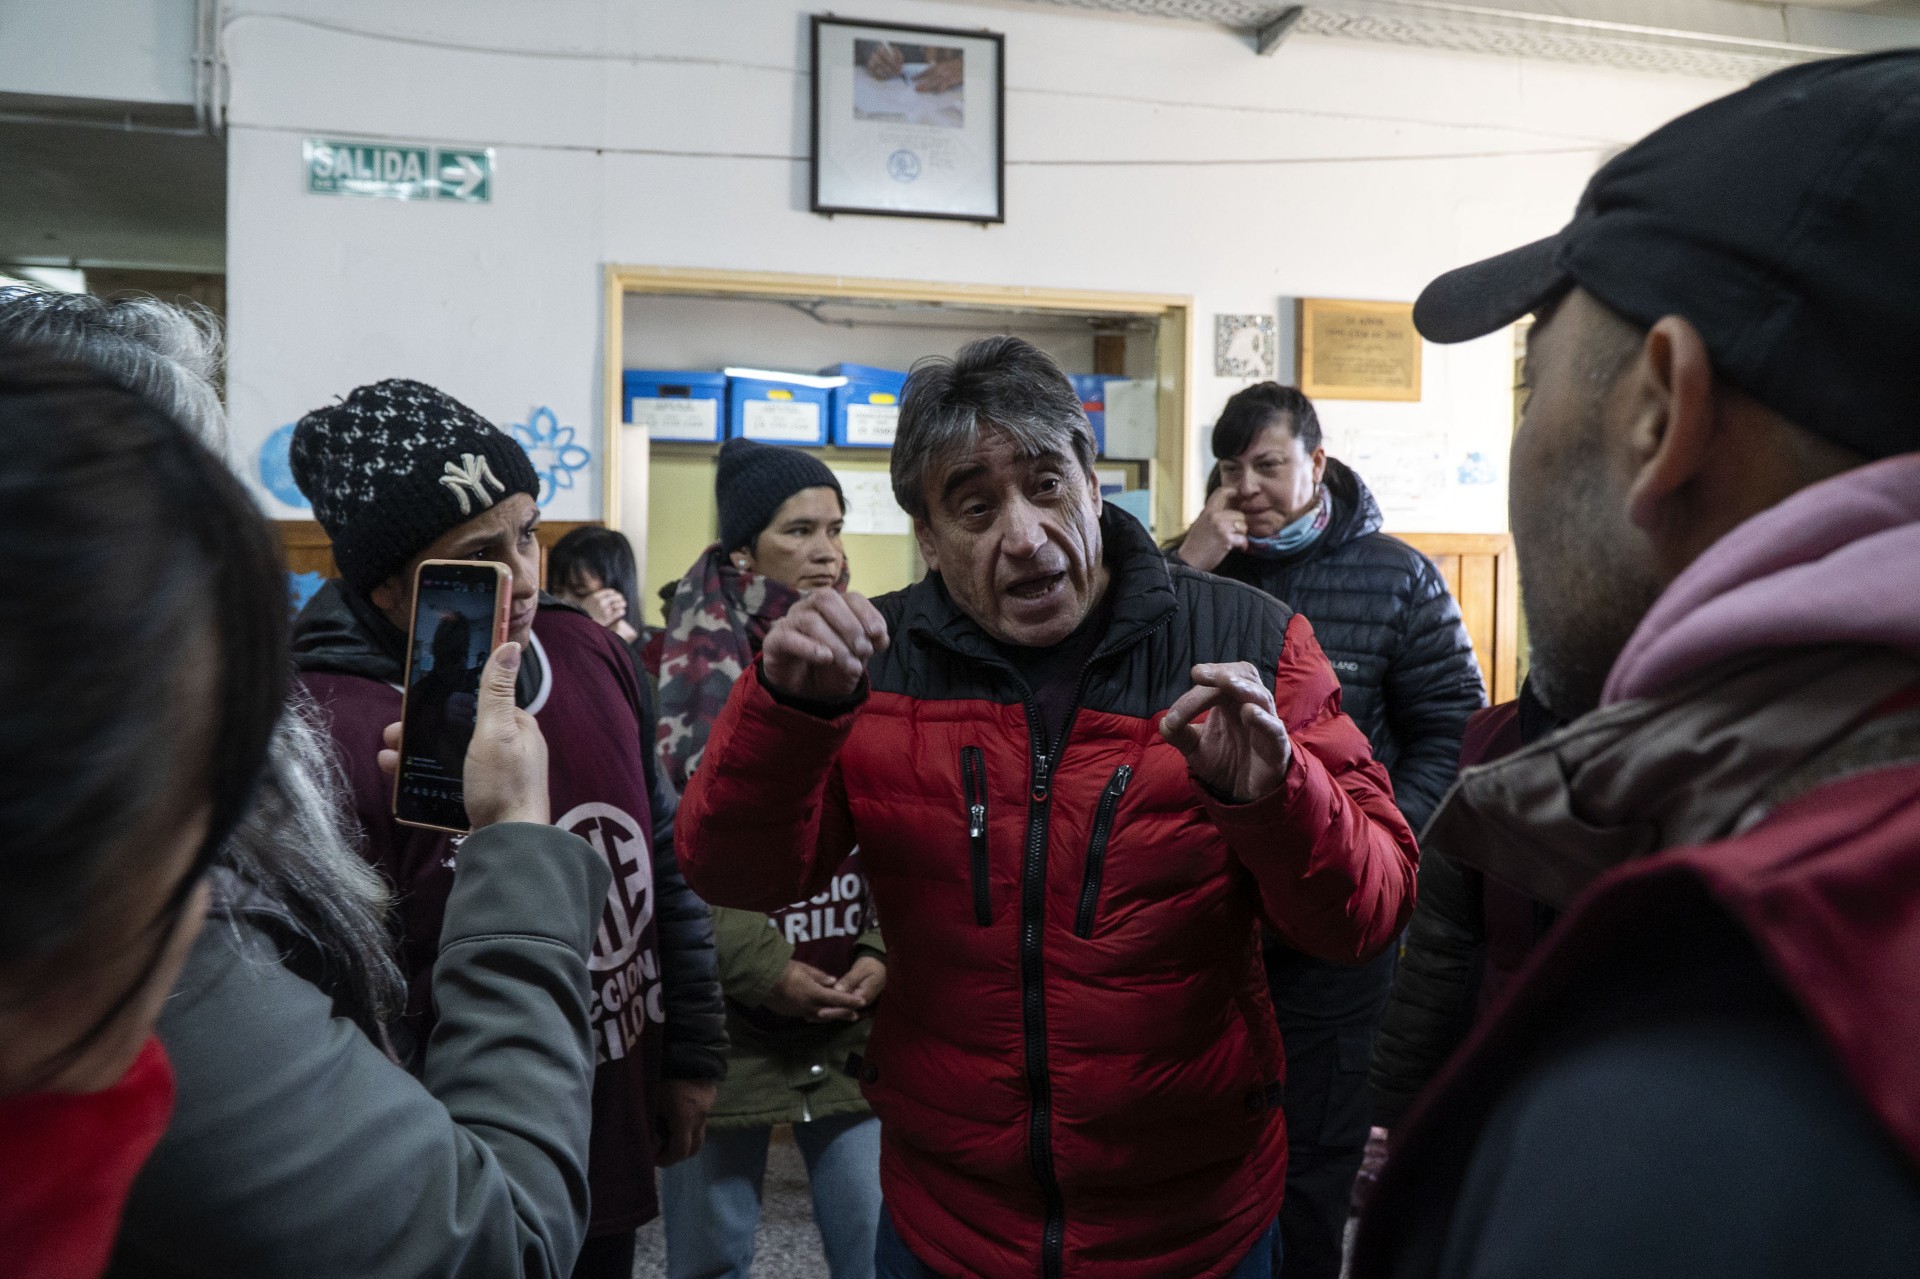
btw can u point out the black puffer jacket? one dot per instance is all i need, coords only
(1409, 680)
(1384, 617)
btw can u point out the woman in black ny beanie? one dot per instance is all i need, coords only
(780, 517)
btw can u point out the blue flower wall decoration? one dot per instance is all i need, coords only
(556, 458)
(276, 468)
(302, 587)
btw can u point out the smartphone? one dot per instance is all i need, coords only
(460, 610)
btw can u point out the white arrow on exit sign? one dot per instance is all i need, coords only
(465, 175)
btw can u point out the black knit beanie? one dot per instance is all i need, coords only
(396, 465)
(755, 479)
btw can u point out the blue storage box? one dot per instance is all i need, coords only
(1092, 390)
(676, 405)
(866, 411)
(779, 408)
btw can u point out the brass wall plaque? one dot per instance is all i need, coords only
(1358, 350)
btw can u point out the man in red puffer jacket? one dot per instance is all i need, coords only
(1078, 777)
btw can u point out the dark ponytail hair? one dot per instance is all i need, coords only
(604, 552)
(1254, 409)
(126, 550)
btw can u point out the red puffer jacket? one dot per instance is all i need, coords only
(1075, 1065)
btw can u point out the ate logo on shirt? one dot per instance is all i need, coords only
(625, 964)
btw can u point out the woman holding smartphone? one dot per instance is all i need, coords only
(155, 780)
(799, 983)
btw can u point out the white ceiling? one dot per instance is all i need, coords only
(1721, 39)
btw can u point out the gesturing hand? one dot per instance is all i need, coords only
(818, 652)
(1242, 750)
(1219, 529)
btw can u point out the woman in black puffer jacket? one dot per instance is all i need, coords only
(1283, 516)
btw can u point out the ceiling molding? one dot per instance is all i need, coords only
(1505, 32)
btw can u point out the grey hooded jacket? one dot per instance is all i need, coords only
(300, 1148)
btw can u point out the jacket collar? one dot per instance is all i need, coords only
(1140, 583)
(1636, 778)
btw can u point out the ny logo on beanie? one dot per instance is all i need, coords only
(466, 476)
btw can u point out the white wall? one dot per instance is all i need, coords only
(1142, 156)
(118, 50)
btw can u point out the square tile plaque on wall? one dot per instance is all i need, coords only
(1243, 346)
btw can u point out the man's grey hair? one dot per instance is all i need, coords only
(295, 846)
(168, 355)
(1001, 383)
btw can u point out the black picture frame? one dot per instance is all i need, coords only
(817, 135)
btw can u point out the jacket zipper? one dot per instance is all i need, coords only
(1033, 1010)
(1033, 904)
(1097, 849)
(973, 776)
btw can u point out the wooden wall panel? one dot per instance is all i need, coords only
(307, 549)
(1479, 569)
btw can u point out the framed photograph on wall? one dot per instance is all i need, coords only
(908, 121)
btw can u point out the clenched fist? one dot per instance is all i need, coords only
(819, 651)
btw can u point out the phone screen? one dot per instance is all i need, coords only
(457, 613)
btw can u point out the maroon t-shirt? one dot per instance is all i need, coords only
(823, 928)
(587, 704)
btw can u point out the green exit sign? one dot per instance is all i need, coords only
(392, 172)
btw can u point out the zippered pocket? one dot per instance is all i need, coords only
(973, 776)
(1097, 849)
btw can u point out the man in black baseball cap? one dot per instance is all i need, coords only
(1710, 1067)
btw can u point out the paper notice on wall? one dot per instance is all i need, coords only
(1133, 418)
(668, 418)
(870, 504)
(791, 421)
(1406, 469)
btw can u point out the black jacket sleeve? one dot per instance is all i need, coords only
(297, 1147)
(1432, 686)
(1435, 988)
(696, 1030)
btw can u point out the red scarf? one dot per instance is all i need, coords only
(69, 1160)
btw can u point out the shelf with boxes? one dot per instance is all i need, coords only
(847, 405)
(697, 357)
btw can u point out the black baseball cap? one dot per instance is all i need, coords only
(1782, 221)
